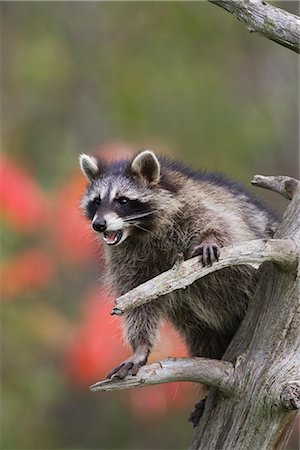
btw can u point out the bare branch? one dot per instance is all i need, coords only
(269, 21)
(211, 372)
(285, 186)
(281, 251)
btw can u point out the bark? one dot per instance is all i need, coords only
(269, 21)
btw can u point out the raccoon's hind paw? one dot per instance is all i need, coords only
(209, 252)
(128, 367)
(120, 371)
(197, 412)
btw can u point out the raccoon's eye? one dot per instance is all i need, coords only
(123, 200)
(97, 201)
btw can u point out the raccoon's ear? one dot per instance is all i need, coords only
(89, 166)
(147, 166)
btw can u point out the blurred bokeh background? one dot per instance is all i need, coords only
(183, 78)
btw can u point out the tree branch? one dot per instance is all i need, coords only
(185, 273)
(286, 186)
(215, 373)
(269, 21)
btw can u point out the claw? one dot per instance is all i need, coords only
(123, 371)
(115, 370)
(216, 251)
(130, 366)
(135, 369)
(209, 252)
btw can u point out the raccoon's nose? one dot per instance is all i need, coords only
(99, 225)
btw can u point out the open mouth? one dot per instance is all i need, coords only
(112, 237)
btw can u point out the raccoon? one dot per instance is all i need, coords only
(147, 211)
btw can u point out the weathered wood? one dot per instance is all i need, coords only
(266, 354)
(215, 373)
(269, 21)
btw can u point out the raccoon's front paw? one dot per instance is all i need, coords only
(209, 252)
(128, 367)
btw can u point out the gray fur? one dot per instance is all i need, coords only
(207, 313)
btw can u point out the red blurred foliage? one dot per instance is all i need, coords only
(22, 202)
(73, 238)
(27, 271)
(148, 402)
(97, 346)
(155, 401)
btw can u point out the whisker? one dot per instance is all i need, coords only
(140, 227)
(138, 216)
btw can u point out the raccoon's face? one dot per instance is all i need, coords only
(119, 199)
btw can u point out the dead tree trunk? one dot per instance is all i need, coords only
(266, 354)
(255, 391)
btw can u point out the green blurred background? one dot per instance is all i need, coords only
(183, 78)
